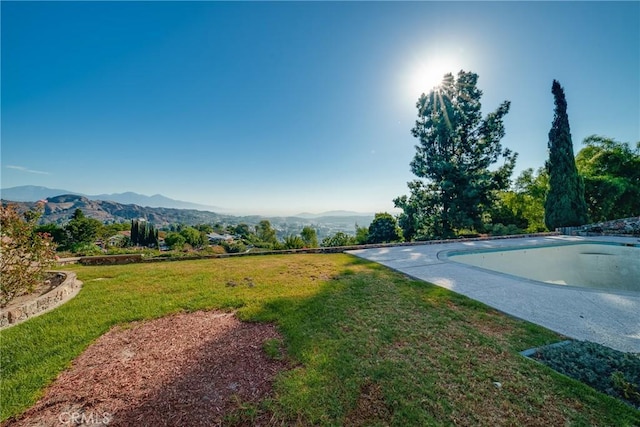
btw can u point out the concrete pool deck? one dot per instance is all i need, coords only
(611, 318)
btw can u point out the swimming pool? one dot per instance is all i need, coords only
(597, 265)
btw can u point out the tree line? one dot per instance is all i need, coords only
(143, 233)
(458, 189)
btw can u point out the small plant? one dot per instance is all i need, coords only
(274, 349)
(629, 391)
(609, 371)
(243, 413)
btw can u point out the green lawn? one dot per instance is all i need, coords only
(369, 346)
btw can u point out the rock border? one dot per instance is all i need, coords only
(62, 293)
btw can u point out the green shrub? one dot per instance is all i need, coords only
(466, 233)
(293, 242)
(338, 239)
(609, 371)
(86, 249)
(234, 247)
(24, 253)
(503, 230)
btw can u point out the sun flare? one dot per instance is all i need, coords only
(427, 75)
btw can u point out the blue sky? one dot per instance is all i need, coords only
(286, 107)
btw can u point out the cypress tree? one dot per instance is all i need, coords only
(565, 205)
(134, 232)
(146, 229)
(143, 234)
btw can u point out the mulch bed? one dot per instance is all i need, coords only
(182, 370)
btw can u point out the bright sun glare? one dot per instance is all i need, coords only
(428, 75)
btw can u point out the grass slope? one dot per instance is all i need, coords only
(369, 346)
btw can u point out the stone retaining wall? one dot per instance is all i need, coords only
(618, 227)
(62, 293)
(110, 259)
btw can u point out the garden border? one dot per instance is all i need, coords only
(57, 296)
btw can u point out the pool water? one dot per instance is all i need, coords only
(597, 265)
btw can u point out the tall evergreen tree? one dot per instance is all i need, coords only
(456, 150)
(134, 232)
(144, 234)
(565, 205)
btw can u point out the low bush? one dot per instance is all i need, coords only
(212, 250)
(86, 249)
(234, 247)
(293, 242)
(503, 230)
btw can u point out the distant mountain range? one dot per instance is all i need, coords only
(331, 213)
(32, 193)
(60, 206)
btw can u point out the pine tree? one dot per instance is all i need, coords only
(454, 157)
(565, 205)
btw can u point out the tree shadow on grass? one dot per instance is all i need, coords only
(370, 347)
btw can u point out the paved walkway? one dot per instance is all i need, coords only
(609, 318)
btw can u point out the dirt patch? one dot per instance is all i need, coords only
(187, 369)
(370, 408)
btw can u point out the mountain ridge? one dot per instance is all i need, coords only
(32, 193)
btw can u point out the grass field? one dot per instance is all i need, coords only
(368, 346)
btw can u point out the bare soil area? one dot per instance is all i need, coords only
(182, 370)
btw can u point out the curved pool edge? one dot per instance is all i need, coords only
(561, 264)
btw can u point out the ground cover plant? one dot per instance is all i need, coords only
(605, 369)
(366, 345)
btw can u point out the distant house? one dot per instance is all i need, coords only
(120, 238)
(215, 238)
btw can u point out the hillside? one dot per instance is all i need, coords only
(59, 210)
